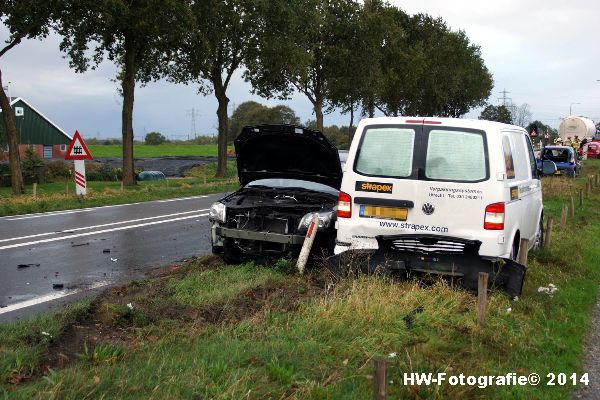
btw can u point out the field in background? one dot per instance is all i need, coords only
(207, 330)
(161, 150)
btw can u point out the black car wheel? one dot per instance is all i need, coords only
(514, 251)
(539, 236)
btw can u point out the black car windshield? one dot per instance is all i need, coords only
(279, 183)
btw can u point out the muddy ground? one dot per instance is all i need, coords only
(107, 324)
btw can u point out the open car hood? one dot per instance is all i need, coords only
(286, 151)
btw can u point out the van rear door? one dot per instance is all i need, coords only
(422, 178)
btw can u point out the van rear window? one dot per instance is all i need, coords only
(386, 152)
(455, 156)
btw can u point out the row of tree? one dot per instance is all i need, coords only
(514, 114)
(345, 54)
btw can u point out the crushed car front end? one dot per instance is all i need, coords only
(288, 174)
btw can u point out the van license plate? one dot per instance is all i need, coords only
(383, 212)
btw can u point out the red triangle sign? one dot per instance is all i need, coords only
(77, 150)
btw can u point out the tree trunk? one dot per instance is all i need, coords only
(16, 177)
(318, 107)
(128, 86)
(223, 120)
(371, 107)
(350, 134)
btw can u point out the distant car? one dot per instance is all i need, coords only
(288, 174)
(564, 157)
(593, 149)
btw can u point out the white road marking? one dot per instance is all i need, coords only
(71, 230)
(49, 297)
(55, 213)
(12, 246)
(48, 214)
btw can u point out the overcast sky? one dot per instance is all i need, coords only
(543, 52)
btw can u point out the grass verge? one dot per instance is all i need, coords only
(212, 331)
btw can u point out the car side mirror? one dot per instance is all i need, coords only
(548, 167)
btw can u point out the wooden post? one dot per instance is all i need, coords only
(548, 233)
(34, 189)
(572, 207)
(587, 189)
(580, 198)
(67, 188)
(380, 379)
(122, 188)
(563, 216)
(523, 251)
(482, 285)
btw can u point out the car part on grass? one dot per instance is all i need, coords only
(418, 255)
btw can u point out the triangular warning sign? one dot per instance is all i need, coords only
(77, 150)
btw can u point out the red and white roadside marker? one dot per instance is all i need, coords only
(79, 152)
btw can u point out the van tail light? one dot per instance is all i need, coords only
(344, 205)
(494, 217)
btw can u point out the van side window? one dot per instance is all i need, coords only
(455, 156)
(508, 158)
(532, 160)
(386, 152)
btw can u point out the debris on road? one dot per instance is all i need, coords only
(21, 266)
(80, 244)
(58, 286)
(114, 259)
(106, 251)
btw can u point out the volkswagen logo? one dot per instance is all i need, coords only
(428, 208)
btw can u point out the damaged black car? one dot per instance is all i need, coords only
(287, 174)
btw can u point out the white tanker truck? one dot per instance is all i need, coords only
(576, 126)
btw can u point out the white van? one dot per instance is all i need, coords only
(441, 195)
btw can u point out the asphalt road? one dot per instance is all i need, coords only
(52, 258)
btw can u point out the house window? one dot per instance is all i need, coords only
(63, 147)
(47, 151)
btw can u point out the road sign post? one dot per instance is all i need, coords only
(79, 152)
(80, 181)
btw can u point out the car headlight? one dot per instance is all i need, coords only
(217, 212)
(325, 218)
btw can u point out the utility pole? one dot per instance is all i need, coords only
(192, 113)
(504, 98)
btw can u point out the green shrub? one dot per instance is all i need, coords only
(30, 160)
(57, 169)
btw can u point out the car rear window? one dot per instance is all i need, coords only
(386, 152)
(455, 156)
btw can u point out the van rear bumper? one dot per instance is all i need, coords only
(456, 258)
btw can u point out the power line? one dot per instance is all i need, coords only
(192, 113)
(504, 98)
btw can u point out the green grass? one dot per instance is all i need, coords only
(323, 348)
(222, 284)
(162, 150)
(53, 196)
(23, 343)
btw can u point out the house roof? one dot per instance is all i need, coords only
(14, 100)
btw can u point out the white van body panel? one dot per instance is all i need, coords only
(459, 207)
